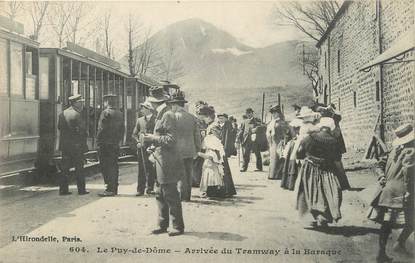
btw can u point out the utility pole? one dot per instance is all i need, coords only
(263, 106)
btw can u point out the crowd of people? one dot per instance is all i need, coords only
(306, 156)
(177, 150)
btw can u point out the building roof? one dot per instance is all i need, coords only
(339, 13)
(401, 45)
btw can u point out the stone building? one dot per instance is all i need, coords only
(366, 68)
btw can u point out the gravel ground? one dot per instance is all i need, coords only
(258, 225)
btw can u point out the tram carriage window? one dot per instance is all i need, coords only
(44, 78)
(58, 79)
(16, 74)
(3, 67)
(30, 75)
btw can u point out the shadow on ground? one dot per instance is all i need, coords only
(217, 236)
(234, 201)
(347, 231)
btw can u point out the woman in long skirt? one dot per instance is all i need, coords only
(277, 130)
(319, 192)
(291, 164)
(211, 183)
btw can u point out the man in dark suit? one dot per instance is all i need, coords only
(246, 138)
(109, 135)
(146, 169)
(73, 135)
(169, 165)
(188, 142)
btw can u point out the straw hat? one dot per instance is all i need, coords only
(404, 134)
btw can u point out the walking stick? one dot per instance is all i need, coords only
(144, 161)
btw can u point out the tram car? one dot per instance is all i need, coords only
(19, 97)
(76, 70)
(35, 85)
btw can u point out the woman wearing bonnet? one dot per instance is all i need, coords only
(319, 192)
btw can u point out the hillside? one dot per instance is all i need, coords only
(212, 58)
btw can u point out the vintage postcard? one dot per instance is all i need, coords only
(207, 131)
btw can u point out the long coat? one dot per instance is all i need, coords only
(399, 173)
(248, 127)
(188, 134)
(73, 133)
(228, 137)
(168, 161)
(110, 127)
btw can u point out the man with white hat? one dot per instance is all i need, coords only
(73, 135)
(393, 207)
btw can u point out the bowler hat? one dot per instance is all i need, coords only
(275, 108)
(178, 96)
(76, 97)
(249, 110)
(222, 115)
(404, 134)
(157, 94)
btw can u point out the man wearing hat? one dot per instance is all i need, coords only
(169, 165)
(73, 135)
(188, 141)
(146, 169)
(110, 134)
(246, 138)
(393, 206)
(228, 137)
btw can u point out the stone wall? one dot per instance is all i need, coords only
(355, 40)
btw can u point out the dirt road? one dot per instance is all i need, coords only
(258, 225)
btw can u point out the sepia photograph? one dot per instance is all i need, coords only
(207, 131)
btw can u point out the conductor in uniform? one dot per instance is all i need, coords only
(109, 135)
(146, 169)
(73, 136)
(169, 164)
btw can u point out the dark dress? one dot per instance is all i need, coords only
(290, 168)
(319, 191)
(228, 141)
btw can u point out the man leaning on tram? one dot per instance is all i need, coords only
(73, 136)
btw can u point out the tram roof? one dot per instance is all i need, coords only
(84, 59)
(18, 38)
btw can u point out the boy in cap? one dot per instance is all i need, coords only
(73, 135)
(146, 169)
(109, 135)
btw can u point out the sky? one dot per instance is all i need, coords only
(248, 21)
